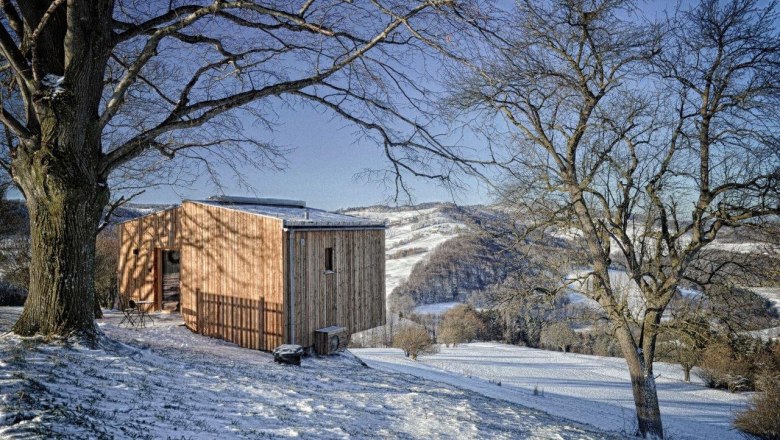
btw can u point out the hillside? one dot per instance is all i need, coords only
(460, 269)
(167, 382)
(433, 257)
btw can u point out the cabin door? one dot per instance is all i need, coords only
(168, 279)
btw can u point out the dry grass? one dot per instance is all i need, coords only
(762, 418)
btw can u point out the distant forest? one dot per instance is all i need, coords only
(458, 268)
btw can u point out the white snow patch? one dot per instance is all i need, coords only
(767, 334)
(588, 389)
(772, 294)
(745, 247)
(435, 309)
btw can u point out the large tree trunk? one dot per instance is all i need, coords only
(648, 413)
(58, 166)
(63, 221)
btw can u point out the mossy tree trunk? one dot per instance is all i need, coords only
(57, 163)
(65, 202)
(63, 221)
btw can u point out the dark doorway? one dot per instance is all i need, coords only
(169, 286)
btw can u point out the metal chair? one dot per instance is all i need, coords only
(132, 314)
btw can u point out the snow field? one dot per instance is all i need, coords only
(167, 382)
(587, 389)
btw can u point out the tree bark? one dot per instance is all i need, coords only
(65, 208)
(57, 166)
(648, 413)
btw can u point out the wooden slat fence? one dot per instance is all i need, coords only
(249, 323)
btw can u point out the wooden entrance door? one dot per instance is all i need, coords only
(167, 280)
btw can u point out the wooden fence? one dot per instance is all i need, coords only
(250, 323)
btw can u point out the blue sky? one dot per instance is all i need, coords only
(325, 159)
(322, 167)
(326, 155)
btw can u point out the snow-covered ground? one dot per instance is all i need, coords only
(748, 247)
(167, 382)
(772, 294)
(436, 308)
(589, 389)
(767, 334)
(418, 231)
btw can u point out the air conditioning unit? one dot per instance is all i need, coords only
(329, 340)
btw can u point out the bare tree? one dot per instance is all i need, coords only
(414, 340)
(558, 335)
(458, 325)
(638, 142)
(685, 336)
(97, 90)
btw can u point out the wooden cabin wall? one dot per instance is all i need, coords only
(232, 265)
(353, 296)
(145, 234)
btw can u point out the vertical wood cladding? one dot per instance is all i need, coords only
(226, 255)
(352, 295)
(234, 277)
(139, 239)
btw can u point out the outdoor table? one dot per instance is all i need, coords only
(143, 315)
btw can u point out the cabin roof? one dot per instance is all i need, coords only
(295, 216)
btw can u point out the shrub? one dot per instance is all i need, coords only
(721, 367)
(558, 335)
(738, 364)
(106, 259)
(460, 324)
(414, 341)
(762, 418)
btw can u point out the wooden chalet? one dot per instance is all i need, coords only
(257, 272)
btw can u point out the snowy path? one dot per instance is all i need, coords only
(166, 382)
(588, 389)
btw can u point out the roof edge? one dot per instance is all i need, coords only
(263, 201)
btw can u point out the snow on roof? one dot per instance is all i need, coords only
(297, 216)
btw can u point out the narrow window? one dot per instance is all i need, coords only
(329, 259)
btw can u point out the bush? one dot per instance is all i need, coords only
(721, 367)
(762, 418)
(414, 341)
(738, 364)
(460, 324)
(558, 335)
